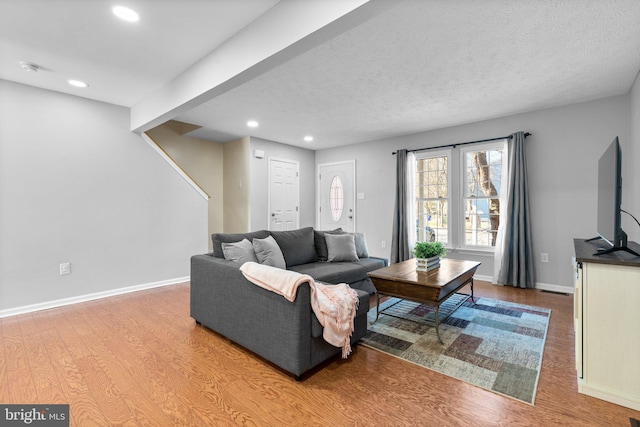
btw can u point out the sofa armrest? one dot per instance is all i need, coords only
(386, 260)
(257, 319)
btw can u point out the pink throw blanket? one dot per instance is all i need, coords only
(335, 306)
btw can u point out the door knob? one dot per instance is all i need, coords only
(273, 214)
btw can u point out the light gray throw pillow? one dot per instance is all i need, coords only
(361, 245)
(341, 247)
(241, 251)
(268, 252)
(321, 244)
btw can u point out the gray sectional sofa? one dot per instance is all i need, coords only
(287, 334)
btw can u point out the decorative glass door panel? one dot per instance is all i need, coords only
(336, 196)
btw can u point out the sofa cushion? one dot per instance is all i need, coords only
(321, 243)
(297, 246)
(340, 272)
(219, 238)
(241, 251)
(341, 247)
(268, 252)
(365, 285)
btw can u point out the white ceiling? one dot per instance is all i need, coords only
(421, 65)
(122, 62)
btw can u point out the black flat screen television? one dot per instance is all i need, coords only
(610, 201)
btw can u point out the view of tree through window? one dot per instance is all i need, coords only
(482, 175)
(457, 197)
(432, 199)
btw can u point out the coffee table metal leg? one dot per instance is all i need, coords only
(438, 323)
(472, 299)
(377, 306)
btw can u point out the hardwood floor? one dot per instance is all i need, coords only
(139, 359)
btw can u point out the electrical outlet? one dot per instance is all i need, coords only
(383, 244)
(544, 257)
(65, 268)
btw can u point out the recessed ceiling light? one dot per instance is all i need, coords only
(77, 83)
(252, 124)
(308, 138)
(126, 14)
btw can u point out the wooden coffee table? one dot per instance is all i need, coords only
(433, 287)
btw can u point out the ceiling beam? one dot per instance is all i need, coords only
(285, 31)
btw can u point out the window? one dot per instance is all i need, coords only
(457, 198)
(432, 198)
(481, 182)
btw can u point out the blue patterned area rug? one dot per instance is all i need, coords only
(492, 344)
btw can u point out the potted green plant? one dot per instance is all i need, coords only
(428, 255)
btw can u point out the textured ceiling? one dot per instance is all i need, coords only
(431, 64)
(421, 65)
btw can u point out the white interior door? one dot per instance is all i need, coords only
(336, 196)
(284, 194)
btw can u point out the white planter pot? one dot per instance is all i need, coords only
(427, 264)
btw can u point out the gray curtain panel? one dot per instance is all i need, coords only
(517, 266)
(400, 250)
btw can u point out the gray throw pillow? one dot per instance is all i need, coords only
(296, 245)
(321, 244)
(241, 251)
(220, 238)
(361, 245)
(341, 247)
(268, 252)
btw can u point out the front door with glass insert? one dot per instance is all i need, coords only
(336, 196)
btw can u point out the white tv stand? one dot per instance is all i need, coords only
(607, 323)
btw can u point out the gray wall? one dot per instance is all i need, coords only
(202, 160)
(260, 186)
(562, 163)
(77, 186)
(237, 192)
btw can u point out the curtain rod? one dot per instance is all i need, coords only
(462, 143)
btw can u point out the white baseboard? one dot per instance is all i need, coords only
(541, 286)
(483, 278)
(555, 288)
(621, 399)
(89, 297)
